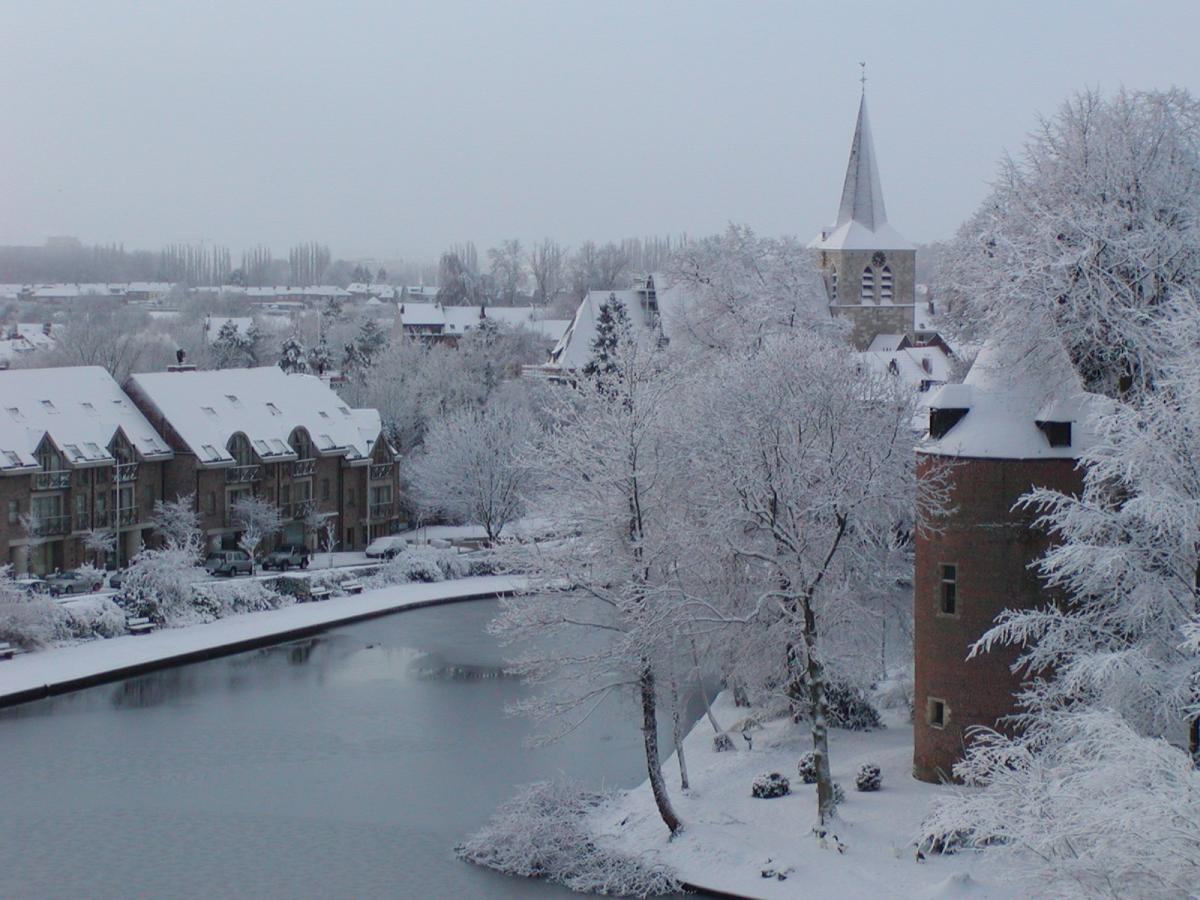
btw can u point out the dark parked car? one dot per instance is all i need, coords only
(229, 563)
(386, 547)
(31, 584)
(294, 556)
(74, 582)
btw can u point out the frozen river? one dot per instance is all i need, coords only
(346, 765)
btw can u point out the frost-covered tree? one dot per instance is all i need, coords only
(233, 348)
(808, 469)
(100, 543)
(547, 267)
(320, 360)
(177, 524)
(508, 270)
(1089, 231)
(158, 584)
(608, 471)
(742, 287)
(257, 521)
(292, 358)
(473, 467)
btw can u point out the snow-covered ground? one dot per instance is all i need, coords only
(59, 669)
(528, 527)
(730, 838)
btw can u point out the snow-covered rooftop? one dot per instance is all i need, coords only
(266, 404)
(862, 218)
(80, 407)
(1005, 395)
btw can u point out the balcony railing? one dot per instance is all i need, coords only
(51, 481)
(381, 510)
(380, 471)
(241, 474)
(125, 472)
(302, 468)
(110, 518)
(44, 526)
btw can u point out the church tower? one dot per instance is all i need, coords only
(869, 269)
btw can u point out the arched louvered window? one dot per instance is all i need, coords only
(868, 286)
(885, 285)
(239, 448)
(833, 284)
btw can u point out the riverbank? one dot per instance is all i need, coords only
(36, 675)
(731, 839)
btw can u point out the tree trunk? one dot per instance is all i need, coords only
(712, 720)
(818, 716)
(653, 762)
(676, 738)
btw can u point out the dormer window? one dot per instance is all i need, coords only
(274, 410)
(942, 420)
(49, 407)
(1057, 433)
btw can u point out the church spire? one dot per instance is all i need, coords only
(862, 194)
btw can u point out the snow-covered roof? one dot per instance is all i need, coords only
(574, 349)
(914, 365)
(862, 218)
(80, 407)
(421, 314)
(886, 343)
(1005, 395)
(549, 329)
(266, 404)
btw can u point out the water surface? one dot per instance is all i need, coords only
(344, 765)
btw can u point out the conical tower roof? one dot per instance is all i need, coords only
(862, 218)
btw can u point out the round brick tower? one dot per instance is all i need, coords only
(1011, 426)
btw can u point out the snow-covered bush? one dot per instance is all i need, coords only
(1084, 806)
(868, 778)
(26, 621)
(231, 598)
(768, 786)
(542, 832)
(850, 708)
(421, 564)
(807, 768)
(94, 617)
(722, 743)
(158, 584)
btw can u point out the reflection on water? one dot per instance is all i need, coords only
(343, 765)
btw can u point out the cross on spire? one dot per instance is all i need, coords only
(863, 77)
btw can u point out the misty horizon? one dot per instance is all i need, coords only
(392, 132)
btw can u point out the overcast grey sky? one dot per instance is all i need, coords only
(395, 128)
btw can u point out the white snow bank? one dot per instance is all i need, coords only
(57, 670)
(729, 838)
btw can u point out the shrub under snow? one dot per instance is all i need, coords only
(807, 768)
(869, 778)
(421, 564)
(233, 597)
(158, 584)
(767, 787)
(542, 832)
(28, 622)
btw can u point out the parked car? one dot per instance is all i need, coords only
(115, 579)
(229, 563)
(386, 547)
(31, 584)
(289, 557)
(74, 582)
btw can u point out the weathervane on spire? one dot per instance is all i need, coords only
(863, 76)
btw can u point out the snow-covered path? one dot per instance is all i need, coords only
(34, 675)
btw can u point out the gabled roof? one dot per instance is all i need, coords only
(266, 404)
(79, 407)
(862, 218)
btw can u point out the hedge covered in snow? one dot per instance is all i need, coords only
(542, 833)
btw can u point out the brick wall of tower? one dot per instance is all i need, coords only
(992, 546)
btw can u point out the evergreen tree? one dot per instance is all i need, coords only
(319, 358)
(612, 325)
(371, 341)
(227, 347)
(292, 357)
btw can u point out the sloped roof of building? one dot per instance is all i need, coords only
(81, 408)
(1008, 391)
(862, 218)
(421, 314)
(266, 404)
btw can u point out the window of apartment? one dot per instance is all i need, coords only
(937, 713)
(948, 589)
(324, 488)
(285, 495)
(14, 512)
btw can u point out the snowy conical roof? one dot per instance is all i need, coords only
(862, 218)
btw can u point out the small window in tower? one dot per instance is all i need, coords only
(833, 284)
(948, 590)
(868, 285)
(885, 285)
(937, 714)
